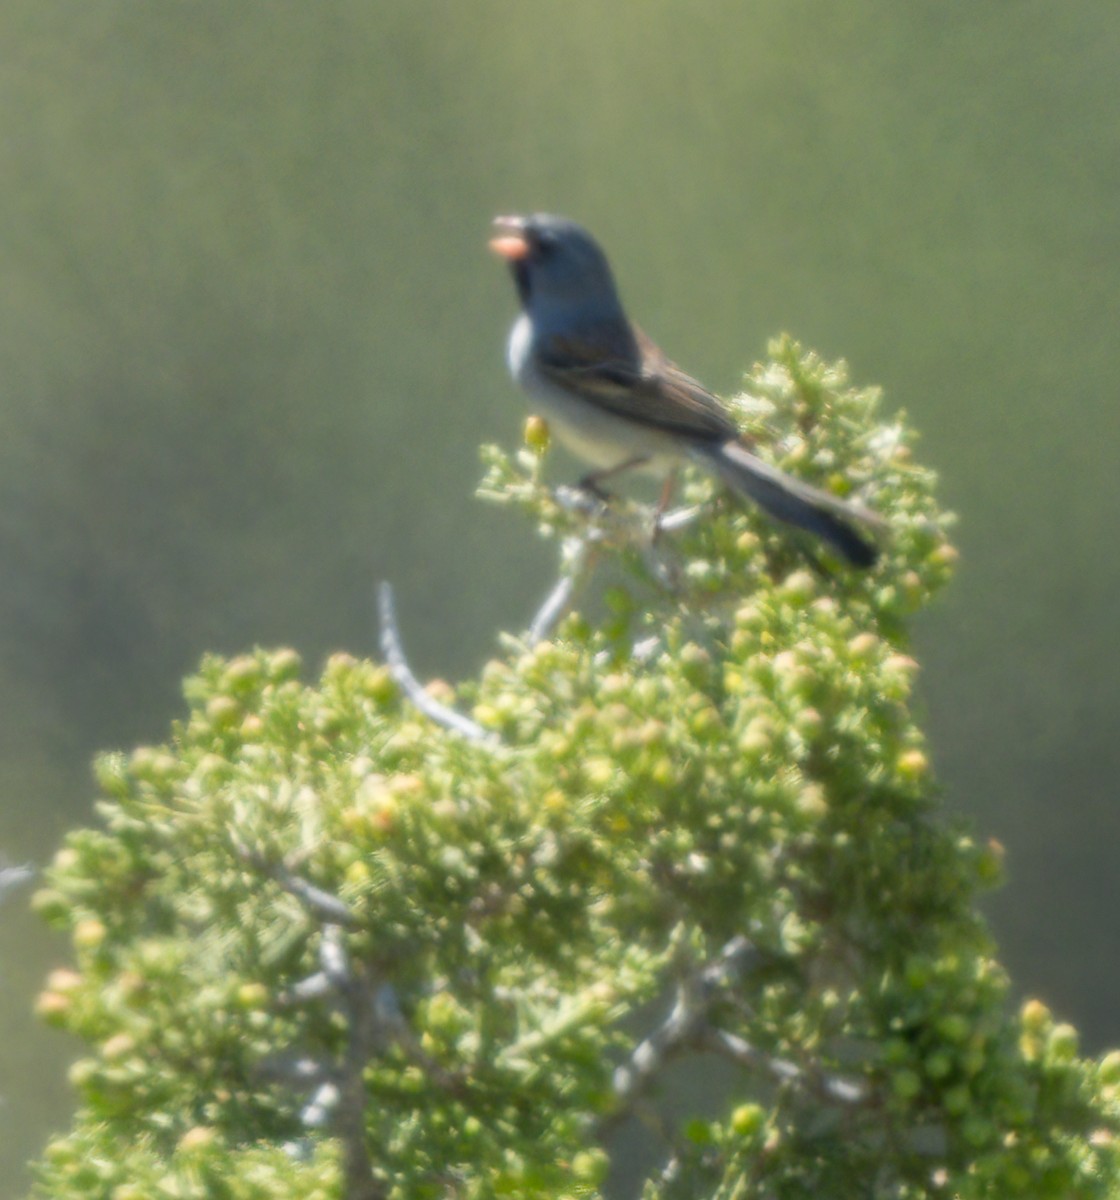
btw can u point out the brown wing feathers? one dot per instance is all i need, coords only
(639, 383)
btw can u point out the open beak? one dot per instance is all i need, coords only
(510, 242)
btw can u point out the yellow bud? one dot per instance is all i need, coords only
(863, 645)
(1110, 1067)
(64, 980)
(747, 1119)
(440, 690)
(912, 764)
(536, 434)
(901, 664)
(197, 1138)
(222, 711)
(812, 801)
(252, 727)
(52, 1005)
(1035, 1016)
(381, 685)
(758, 737)
(89, 934)
(662, 771)
(242, 672)
(1062, 1042)
(357, 874)
(799, 587)
(599, 772)
(284, 664)
(554, 801)
(118, 1046)
(590, 1166)
(340, 663)
(252, 995)
(944, 555)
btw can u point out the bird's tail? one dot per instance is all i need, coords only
(795, 502)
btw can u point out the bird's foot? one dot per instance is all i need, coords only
(590, 484)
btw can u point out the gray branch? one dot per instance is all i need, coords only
(688, 1026)
(14, 877)
(393, 650)
(576, 554)
(606, 524)
(321, 904)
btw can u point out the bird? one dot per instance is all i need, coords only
(616, 401)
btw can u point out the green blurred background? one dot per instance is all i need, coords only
(250, 339)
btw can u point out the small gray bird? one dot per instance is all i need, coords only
(612, 396)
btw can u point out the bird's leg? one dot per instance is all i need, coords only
(593, 480)
(663, 502)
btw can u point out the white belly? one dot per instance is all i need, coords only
(595, 435)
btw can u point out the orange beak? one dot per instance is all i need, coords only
(511, 244)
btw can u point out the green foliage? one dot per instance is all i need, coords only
(716, 793)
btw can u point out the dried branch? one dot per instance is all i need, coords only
(607, 524)
(576, 556)
(688, 1027)
(823, 1084)
(374, 1021)
(14, 877)
(322, 905)
(683, 1026)
(393, 649)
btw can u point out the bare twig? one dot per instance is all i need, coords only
(339, 1097)
(321, 904)
(334, 958)
(14, 877)
(688, 1027)
(678, 518)
(304, 991)
(684, 1025)
(290, 1067)
(393, 649)
(826, 1085)
(606, 524)
(554, 607)
(348, 1116)
(319, 1110)
(576, 555)
(334, 1083)
(621, 521)
(651, 1053)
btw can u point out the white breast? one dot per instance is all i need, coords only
(517, 351)
(594, 434)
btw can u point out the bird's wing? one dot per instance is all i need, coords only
(637, 382)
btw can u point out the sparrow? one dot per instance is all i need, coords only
(613, 397)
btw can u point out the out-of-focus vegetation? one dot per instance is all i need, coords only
(329, 946)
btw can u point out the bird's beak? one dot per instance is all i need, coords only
(511, 242)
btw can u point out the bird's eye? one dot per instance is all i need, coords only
(544, 243)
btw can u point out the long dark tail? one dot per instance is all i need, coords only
(797, 503)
